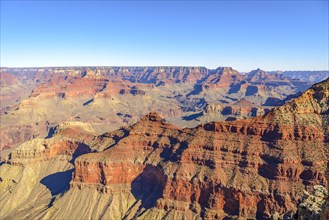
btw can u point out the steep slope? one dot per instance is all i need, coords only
(40, 170)
(253, 168)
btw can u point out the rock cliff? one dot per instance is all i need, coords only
(254, 168)
(199, 171)
(101, 95)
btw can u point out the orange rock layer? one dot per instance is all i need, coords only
(251, 168)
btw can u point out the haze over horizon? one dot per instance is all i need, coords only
(244, 35)
(92, 66)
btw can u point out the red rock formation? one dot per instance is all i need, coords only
(241, 109)
(49, 151)
(13, 135)
(251, 168)
(260, 75)
(69, 140)
(223, 77)
(77, 86)
(113, 88)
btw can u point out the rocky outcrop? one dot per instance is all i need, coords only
(13, 135)
(160, 75)
(203, 167)
(222, 77)
(77, 86)
(253, 168)
(239, 110)
(69, 138)
(96, 94)
(325, 207)
(312, 204)
(38, 150)
(260, 75)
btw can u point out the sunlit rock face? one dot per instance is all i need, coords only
(260, 167)
(34, 100)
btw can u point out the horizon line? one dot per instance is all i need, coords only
(146, 66)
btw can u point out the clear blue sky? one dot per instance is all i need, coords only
(272, 35)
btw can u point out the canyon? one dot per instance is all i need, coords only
(161, 143)
(35, 100)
